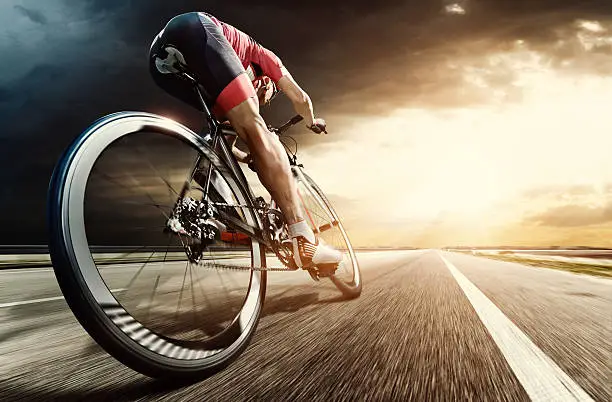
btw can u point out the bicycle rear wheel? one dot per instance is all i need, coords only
(325, 223)
(129, 281)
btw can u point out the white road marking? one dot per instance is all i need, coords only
(540, 376)
(46, 299)
(562, 258)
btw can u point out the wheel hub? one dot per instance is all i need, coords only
(194, 222)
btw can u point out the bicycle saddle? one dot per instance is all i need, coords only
(168, 64)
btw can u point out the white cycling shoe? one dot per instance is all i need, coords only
(318, 254)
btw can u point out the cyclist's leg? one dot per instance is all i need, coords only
(275, 174)
(269, 155)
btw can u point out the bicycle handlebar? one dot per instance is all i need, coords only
(294, 120)
(228, 130)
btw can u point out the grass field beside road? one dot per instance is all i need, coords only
(593, 267)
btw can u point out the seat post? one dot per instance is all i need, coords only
(212, 122)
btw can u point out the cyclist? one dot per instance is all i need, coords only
(237, 75)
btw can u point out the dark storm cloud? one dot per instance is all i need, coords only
(573, 216)
(408, 65)
(5, 95)
(96, 6)
(61, 63)
(33, 15)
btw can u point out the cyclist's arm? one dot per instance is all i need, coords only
(273, 68)
(298, 97)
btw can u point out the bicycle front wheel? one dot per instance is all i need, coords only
(127, 278)
(325, 223)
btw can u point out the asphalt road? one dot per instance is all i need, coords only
(422, 330)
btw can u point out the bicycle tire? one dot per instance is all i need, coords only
(350, 288)
(97, 310)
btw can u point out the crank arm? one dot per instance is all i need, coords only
(239, 225)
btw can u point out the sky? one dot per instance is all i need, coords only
(473, 122)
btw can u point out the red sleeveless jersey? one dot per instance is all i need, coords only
(256, 59)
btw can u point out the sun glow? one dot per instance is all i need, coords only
(593, 26)
(535, 121)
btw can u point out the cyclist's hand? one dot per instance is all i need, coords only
(319, 126)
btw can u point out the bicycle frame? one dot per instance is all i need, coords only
(218, 141)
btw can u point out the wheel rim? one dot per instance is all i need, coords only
(127, 322)
(327, 226)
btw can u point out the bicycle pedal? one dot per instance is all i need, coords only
(321, 271)
(326, 270)
(314, 274)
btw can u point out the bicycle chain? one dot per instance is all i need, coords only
(244, 268)
(224, 204)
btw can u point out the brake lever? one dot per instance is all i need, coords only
(296, 119)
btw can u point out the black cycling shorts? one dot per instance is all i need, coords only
(209, 57)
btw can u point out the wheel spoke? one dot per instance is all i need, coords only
(154, 169)
(152, 295)
(195, 318)
(131, 282)
(146, 204)
(152, 203)
(178, 307)
(327, 226)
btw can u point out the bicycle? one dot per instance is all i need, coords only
(213, 229)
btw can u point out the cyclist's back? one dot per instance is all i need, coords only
(210, 46)
(256, 59)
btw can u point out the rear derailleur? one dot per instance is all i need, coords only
(195, 224)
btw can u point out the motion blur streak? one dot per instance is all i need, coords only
(412, 335)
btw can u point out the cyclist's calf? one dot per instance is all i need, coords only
(269, 155)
